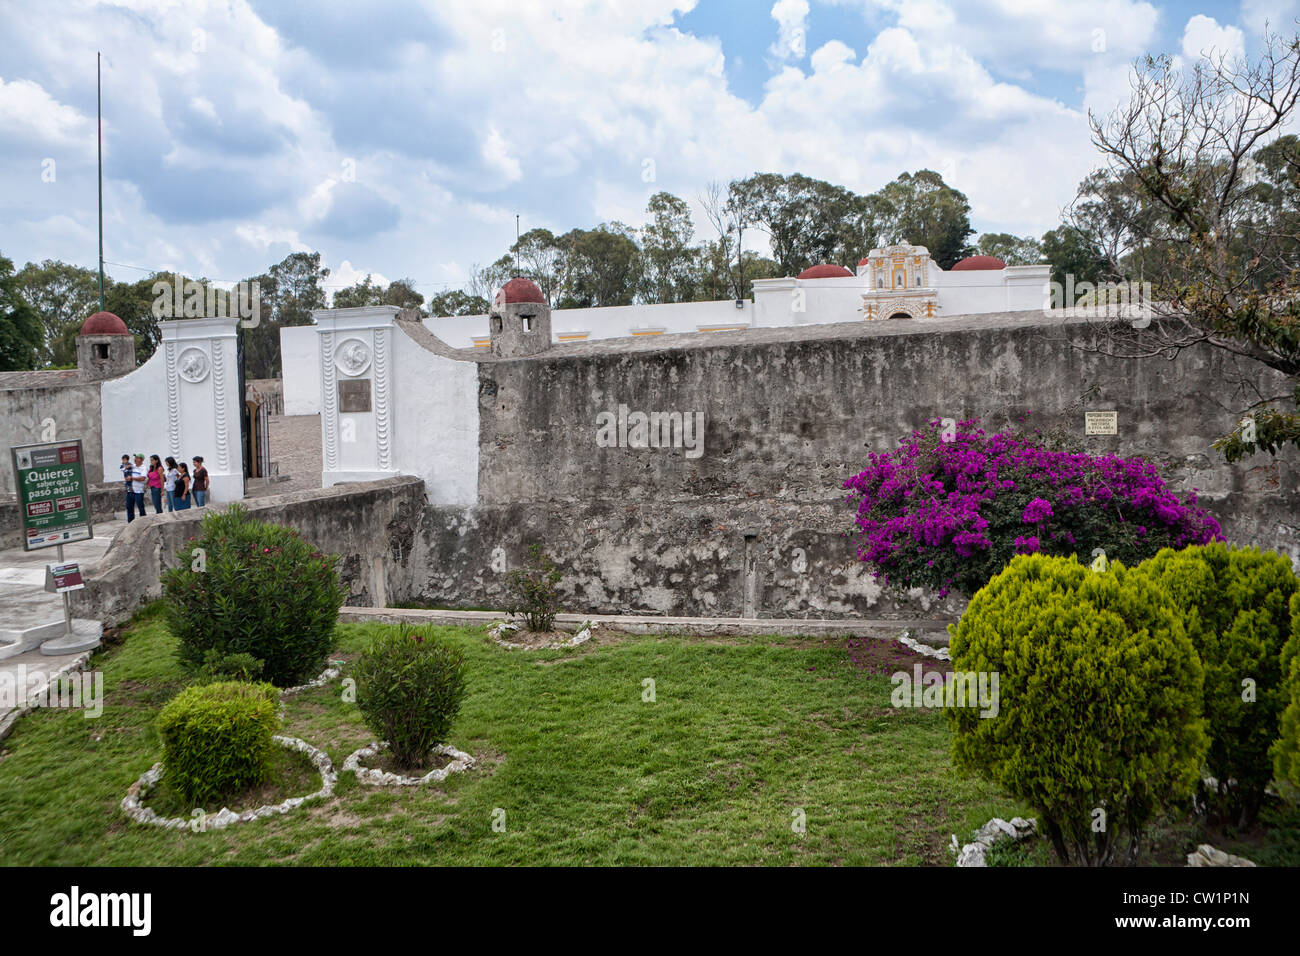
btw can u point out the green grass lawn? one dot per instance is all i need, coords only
(741, 735)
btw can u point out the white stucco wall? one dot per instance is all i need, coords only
(437, 422)
(183, 402)
(300, 365)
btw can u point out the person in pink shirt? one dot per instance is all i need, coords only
(156, 475)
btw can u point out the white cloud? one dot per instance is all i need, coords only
(29, 113)
(1203, 37)
(1278, 16)
(347, 275)
(791, 18)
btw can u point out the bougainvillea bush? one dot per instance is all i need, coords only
(948, 510)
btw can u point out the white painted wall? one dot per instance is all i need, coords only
(437, 422)
(199, 409)
(300, 361)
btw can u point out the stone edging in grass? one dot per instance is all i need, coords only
(506, 627)
(925, 650)
(995, 831)
(327, 675)
(460, 761)
(134, 808)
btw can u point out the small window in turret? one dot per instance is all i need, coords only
(528, 323)
(101, 350)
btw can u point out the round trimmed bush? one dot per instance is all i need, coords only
(1286, 751)
(1098, 722)
(217, 738)
(247, 587)
(410, 685)
(1235, 604)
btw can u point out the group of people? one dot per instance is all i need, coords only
(166, 480)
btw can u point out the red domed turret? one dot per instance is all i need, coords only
(824, 272)
(979, 264)
(104, 323)
(520, 290)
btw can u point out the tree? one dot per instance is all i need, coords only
(602, 266)
(457, 302)
(288, 293)
(1072, 253)
(807, 221)
(21, 333)
(399, 292)
(133, 303)
(64, 296)
(668, 254)
(922, 209)
(540, 257)
(1013, 250)
(1210, 212)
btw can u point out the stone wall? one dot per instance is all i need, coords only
(73, 408)
(372, 526)
(754, 524)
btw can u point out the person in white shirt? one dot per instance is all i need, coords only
(169, 483)
(139, 478)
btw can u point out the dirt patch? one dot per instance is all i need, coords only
(384, 761)
(870, 655)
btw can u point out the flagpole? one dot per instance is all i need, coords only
(99, 143)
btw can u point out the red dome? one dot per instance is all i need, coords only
(979, 263)
(104, 323)
(864, 260)
(520, 290)
(824, 272)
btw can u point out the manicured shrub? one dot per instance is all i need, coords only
(410, 685)
(532, 591)
(1286, 751)
(1235, 605)
(949, 510)
(246, 587)
(1098, 721)
(217, 738)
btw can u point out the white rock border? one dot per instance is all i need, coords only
(460, 762)
(995, 831)
(327, 675)
(133, 806)
(925, 650)
(500, 628)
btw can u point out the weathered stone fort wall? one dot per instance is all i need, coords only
(754, 524)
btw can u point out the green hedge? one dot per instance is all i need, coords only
(246, 587)
(217, 738)
(409, 687)
(1235, 605)
(1099, 706)
(1286, 751)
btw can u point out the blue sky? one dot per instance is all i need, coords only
(401, 138)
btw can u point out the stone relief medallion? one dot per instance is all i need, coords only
(352, 357)
(193, 365)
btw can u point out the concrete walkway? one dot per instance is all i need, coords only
(932, 632)
(24, 601)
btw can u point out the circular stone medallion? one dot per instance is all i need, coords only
(352, 356)
(193, 365)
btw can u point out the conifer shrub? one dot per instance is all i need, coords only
(1236, 608)
(410, 685)
(247, 587)
(217, 738)
(1286, 750)
(1099, 721)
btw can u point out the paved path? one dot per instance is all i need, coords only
(24, 601)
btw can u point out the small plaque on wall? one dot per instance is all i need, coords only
(354, 395)
(1101, 423)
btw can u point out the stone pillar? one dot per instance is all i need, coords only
(357, 376)
(201, 371)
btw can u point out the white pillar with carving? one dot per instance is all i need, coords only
(357, 393)
(201, 368)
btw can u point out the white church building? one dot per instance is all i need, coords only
(896, 282)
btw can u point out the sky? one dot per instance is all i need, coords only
(401, 138)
